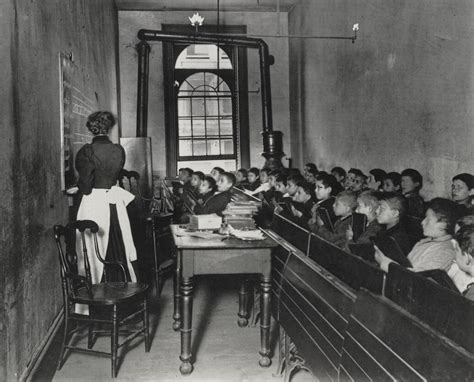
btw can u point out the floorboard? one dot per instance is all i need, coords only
(222, 351)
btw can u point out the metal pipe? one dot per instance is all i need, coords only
(235, 40)
(143, 49)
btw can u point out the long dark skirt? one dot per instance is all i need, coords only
(115, 249)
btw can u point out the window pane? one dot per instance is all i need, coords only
(213, 147)
(184, 107)
(199, 127)
(199, 147)
(196, 79)
(212, 127)
(227, 146)
(211, 106)
(185, 147)
(203, 56)
(226, 126)
(198, 106)
(225, 106)
(184, 128)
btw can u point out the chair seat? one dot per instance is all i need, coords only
(110, 293)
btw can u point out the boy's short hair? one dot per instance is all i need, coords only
(395, 177)
(329, 181)
(446, 211)
(297, 178)
(187, 170)
(370, 198)
(281, 179)
(465, 239)
(339, 171)
(378, 174)
(307, 187)
(414, 175)
(212, 182)
(349, 198)
(230, 177)
(255, 171)
(220, 170)
(396, 201)
(243, 171)
(466, 178)
(313, 169)
(361, 176)
(199, 174)
(465, 220)
(356, 171)
(275, 172)
(265, 169)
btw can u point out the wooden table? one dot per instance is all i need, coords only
(198, 256)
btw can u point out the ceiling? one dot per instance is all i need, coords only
(206, 5)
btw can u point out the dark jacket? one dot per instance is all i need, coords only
(99, 164)
(400, 235)
(215, 204)
(253, 186)
(305, 209)
(338, 237)
(415, 205)
(372, 229)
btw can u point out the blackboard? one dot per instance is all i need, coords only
(75, 107)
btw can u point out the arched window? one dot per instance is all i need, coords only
(206, 132)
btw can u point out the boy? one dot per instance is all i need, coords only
(303, 202)
(241, 178)
(412, 182)
(253, 177)
(326, 188)
(185, 175)
(264, 179)
(216, 172)
(196, 180)
(351, 174)
(391, 210)
(340, 174)
(376, 177)
(344, 206)
(359, 183)
(218, 202)
(462, 271)
(207, 187)
(461, 191)
(367, 204)
(309, 168)
(391, 182)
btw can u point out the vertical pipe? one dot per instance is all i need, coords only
(143, 49)
(267, 119)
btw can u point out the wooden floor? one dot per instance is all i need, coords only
(221, 350)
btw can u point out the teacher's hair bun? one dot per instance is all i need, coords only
(100, 122)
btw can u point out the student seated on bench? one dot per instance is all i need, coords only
(303, 202)
(436, 251)
(461, 191)
(462, 270)
(340, 174)
(326, 188)
(367, 204)
(207, 188)
(264, 180)
(412, 182)
(344, 206)
(253, 177)
(218, 202)
(196, 180)
(391, 210)
(241, 177)
(376, 177)
(391, 182)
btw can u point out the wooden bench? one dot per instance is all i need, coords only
(352, 270)
(314, 309)
(383, 342)
(291, 232)
(446, 311)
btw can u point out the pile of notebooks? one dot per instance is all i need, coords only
(239, 214)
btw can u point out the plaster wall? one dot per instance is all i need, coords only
(33, 33)
(401, 96)
(130, 22)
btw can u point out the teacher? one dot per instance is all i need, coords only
(99, 165)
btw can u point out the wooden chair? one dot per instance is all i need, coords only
(118, 302)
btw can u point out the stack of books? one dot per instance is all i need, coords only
(239, 214)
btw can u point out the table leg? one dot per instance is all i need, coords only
(155, 256)
(243, 303)
(176, 293)
(186, 366)
(265, 360)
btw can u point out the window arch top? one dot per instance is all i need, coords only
(203, 56)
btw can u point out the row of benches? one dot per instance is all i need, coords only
(351, 321)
